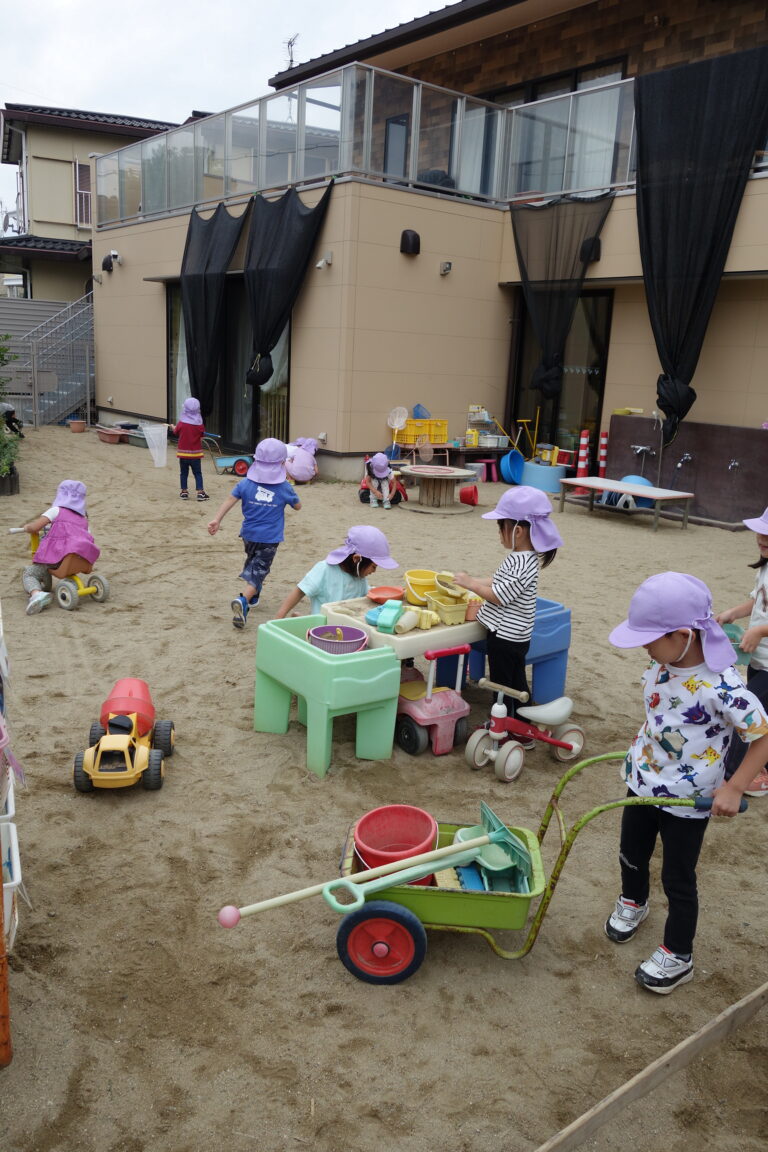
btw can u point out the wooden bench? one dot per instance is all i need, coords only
(659, 496)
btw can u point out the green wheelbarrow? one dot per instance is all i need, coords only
(382, 938)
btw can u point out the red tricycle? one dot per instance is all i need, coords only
(424, 711)
(547, 723)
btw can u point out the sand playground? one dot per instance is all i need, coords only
(140, 1025)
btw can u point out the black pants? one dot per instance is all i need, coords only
(506, 665)
(196, 464)
(681, 841)
(757, 682)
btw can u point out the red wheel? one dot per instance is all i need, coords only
(381, 943)
(240, 467)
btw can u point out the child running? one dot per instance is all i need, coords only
(190, 431)
(509, 610)
(379, 479)
(342, 575)
(264, 493)
(694, 702)
(755, 642)
(64, 530)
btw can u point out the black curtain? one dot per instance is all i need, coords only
(698, 128)
(207, 253)
(555, 243)
(280, 242)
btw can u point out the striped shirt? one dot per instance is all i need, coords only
(515, 584)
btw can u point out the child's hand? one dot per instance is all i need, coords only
(726, 800)
(461, 579)
(751, 639)
(213, 527)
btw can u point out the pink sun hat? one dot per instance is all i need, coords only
(758, 524)
(532, 505)
(268, 462)
(368, 541)
(669, 601)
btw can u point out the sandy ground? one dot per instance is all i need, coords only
(139, 1024)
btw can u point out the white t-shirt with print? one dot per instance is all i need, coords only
(691, 714)
(759, 616)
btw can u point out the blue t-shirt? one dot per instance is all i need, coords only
(263, 508)
(327, 583)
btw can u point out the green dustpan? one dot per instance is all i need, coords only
(507, 851)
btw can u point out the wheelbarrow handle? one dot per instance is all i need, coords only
(704, 803)
(357, 891)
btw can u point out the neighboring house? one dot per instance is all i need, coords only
(49, 257)
(433, 127)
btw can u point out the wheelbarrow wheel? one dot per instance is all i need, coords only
(509, 763)
(152, 776)
(479, 748)
(569, 734)
(96, 733)
(66, 595)
(410, 736)
(240, 467)
(82, 780)
(164, 736)
(381, 943)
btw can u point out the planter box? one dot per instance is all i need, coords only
(9, 485)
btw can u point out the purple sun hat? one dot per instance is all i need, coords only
(669, 601)
(380, 465)
(525, 503)
(758, 524)
(71, 494)
(268, 462)
(308, 443)
(190, 411)
(368, 541)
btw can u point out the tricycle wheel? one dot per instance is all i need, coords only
(461, 731)
(240, 467)
(164, 736)
(66, 595)
(569, 734)
(101, 584)
(152, 776)
(95, 734)
(410, 736)
(509, 763)
(381, 943)
(82, 780)
(479, 748)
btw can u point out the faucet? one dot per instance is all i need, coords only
(641, 449)
(733, 464)
(686, 456)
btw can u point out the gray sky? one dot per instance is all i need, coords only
(162, 58)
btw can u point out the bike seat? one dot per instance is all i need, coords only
(548, 715)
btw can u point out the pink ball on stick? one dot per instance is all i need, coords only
(229, 916)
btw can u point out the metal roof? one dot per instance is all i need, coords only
(75, 119)
(45, 246)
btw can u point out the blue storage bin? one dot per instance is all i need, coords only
(420, 412)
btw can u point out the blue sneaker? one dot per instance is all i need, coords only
(239, 611)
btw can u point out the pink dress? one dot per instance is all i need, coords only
(68, 533)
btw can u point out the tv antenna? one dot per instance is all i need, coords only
(289, 45)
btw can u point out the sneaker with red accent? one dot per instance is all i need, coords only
(663, 971)
(759, 786)
(625, 920)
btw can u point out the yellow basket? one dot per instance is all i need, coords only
(449, 610)
(418, 582)
(413, 430)
(438, 431)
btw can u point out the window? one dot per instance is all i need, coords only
(574, 81)
(83, 195)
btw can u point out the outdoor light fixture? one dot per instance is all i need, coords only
(445, 267)
(325, 260)
(410, 242)
(110, 260)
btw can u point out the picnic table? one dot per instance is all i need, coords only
(437, 487)
(659, 496)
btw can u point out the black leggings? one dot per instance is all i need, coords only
(506, 665)
(681, 841)
(757, 682)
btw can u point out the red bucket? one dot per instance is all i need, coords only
(394, 833)
(468, 495)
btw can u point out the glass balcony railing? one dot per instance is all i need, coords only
(380, 125)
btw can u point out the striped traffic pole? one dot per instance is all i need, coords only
(582, 467)
(603, 454)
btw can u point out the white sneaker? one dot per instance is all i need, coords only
(38, 601)
(387, 504)
(373, 502)
(625, 920)
(663, 971)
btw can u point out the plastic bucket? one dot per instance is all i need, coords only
(395, 832)
(511, 467)
(419, 581)
(157, 441)
(76, 425)
(468, 494)
(338, 640)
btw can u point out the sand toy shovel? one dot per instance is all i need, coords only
(407, 869)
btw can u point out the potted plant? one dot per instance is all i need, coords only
(9, 450)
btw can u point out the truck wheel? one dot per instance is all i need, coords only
(381, 943)
(101, 584)
(82, 780)
(164, 736)
(95, 733)
(152, 776)
(461, 731)
(410, 736)
(66, 595)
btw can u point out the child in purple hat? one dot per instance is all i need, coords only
(379, 480)
(755, 643)
(264, 493)
(64, 530)
(301, 465)
(694, 702)
(190, 431)
(342, 575)
(509, 611)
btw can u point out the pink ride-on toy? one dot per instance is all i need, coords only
(424, 711)
(545, 722)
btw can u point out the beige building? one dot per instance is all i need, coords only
(434, 128)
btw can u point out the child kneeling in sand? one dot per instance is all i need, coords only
(342, 575)
(64, 530)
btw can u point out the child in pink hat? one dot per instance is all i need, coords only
(755, 643)
(263, 493)
(190, 431)
(694, 703)
(525, 528)
(63, 529)
(342, 575)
